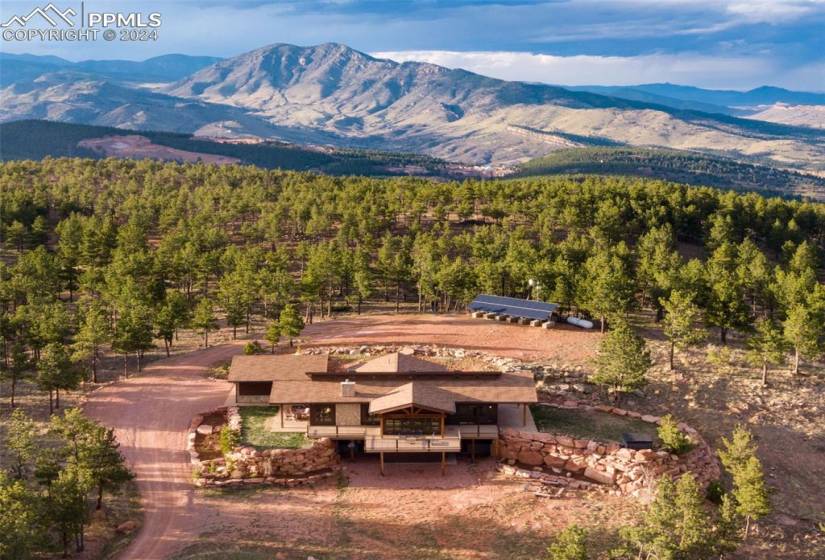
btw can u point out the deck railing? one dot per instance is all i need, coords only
(338, 431)
(252, 399)
(400, 444)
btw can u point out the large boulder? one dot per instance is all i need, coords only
(530, 457)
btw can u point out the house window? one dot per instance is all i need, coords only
(368, 419)
(474, 414)
(322, 415)
(412, 426)
(254, 388)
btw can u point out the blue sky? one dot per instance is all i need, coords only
(722, 43)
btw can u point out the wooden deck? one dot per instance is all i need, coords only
(451, 442)
(466, 431)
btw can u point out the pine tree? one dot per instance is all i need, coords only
(803, 331)
(273, 334)
(738, 456)
(750, 492)
(55, 371)
(681, 317)
(17, 369)
(608, 290)
(726, 306)
(203, 319)
(19, 521)
(20, 442)
(93, 334)
(622, 361)
(766, 347)
(290, 323)
(101, 455)
(66, 507)
(694, 527)
(569, 545)
(133, 332)
(675, 525)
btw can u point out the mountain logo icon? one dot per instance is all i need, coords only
(50, 13)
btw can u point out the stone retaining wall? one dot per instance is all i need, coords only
(627, 472)
(247, 465)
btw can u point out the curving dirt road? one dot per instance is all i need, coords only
(150, 414)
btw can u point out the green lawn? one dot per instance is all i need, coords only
(588, 424)
(255, 433)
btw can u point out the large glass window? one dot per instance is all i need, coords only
(474, 414)
(322, 415)
(426, 426)
(368, 419)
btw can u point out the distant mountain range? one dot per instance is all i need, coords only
(22, 67)
(331, 94)
(763, 103)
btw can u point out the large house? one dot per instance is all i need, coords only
(394, 404)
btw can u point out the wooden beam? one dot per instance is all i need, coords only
(524, 415)
(381, 459)
(282, 415)
(473, 450)
(443, 463)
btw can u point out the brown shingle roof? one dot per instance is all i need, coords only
(279, 367)
(415, 393)
(511, 387)
(399, 363)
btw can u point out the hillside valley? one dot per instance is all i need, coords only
(333, 95)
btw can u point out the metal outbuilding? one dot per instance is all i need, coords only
(516, 308)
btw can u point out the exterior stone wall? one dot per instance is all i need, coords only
(627, 472)
(247, 465)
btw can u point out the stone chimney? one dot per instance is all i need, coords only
(347, 388)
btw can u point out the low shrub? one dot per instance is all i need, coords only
(228, 439)
(252, 348)
(671, 437)
(715, 492)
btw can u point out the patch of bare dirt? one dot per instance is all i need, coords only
(140, 147)
(563, 342)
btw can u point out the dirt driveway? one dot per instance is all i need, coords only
(150, 414)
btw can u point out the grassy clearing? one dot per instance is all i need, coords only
(255, 432)
(588, 424)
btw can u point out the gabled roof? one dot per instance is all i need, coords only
(513, 307)
(418, 394)
(280, 367)
(508, 387)
(399, 363)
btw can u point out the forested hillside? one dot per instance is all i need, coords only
(116, 256)
(143, 244)
(679, 166)
(37, 139)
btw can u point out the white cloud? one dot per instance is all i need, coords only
(773, 11)
(702, 70)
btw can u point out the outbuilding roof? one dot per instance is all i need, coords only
(513, 307)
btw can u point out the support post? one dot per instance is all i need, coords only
(473, 450)
(381, 460)
(443, 463)
(282, 416)
(524, 414)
